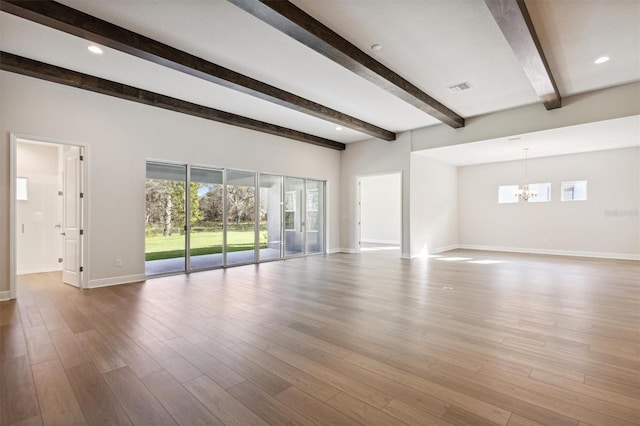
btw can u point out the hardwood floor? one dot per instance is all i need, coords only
(466, 338)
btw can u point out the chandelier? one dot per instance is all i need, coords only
(524, 193)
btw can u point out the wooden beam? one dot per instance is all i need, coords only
(293, 21)
(515, 23)
(66, 19)
(20, 65)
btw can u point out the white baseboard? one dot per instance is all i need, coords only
(374, 241)
(5, 295)
(38, 270)
(342, 250)
(445, 248)
(125, 279)
(602, 255)
(436, 251)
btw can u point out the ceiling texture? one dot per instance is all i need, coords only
(283, 73)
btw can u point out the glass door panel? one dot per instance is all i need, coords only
(207, 201)
(270, 225)
(165, 218)
(293, 224)
(314, 224)
(240, 212)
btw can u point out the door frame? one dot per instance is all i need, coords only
(258, 201)
(358, 208)
(15, 138)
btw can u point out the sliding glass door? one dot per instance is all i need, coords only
(165, 222)
(206, 225)
(293, 218)
(240, 216)
(270, 217)
(201, 218)
(303, 216)
(315, 217)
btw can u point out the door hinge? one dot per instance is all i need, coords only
(82, 158)
(82, 269)
(59, 260)
(82, 195)
(82, 232)
(60, 193)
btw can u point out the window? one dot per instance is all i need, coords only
(543, 191)
(507, 194)
(22, 189)
(574, 191)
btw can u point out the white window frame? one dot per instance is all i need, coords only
(508, 199)
(573, 182)
(537, 199)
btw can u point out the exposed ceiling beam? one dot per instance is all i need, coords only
(515, 23)
(31, 68)
(294, 22)
(72, 21)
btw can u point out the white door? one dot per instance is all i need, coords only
(72, 216)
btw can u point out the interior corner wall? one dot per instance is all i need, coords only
(605, 225)
(434, 206)
(372, 157)
(120, 137)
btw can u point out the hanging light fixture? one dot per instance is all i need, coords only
(524, 193)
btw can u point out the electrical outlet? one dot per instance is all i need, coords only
(118, 262)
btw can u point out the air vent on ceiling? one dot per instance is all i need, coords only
(460, 87)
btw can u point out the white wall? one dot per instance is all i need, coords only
(39, 243)
(381, 208)
(371, 157)
(434, 206)
(607, 224)
(120, 136)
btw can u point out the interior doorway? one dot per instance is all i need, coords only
(47, 210)
(380, 213)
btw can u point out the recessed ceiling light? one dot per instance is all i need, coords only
(95, 49)
(601, 60)
(376, 47)
(338, 128)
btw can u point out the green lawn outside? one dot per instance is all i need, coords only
(206, 242)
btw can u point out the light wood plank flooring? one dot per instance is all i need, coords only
(466, 338)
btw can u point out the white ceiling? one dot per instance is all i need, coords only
(597, 136)
(432, 43)
(573, 33)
